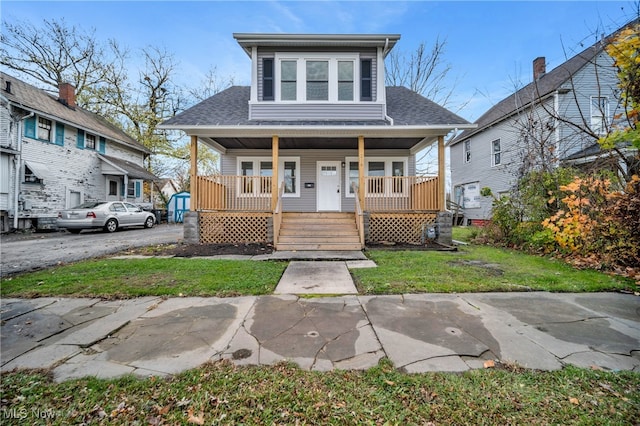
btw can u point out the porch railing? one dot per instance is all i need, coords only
(401, 193)
(233, 193)
(359, 215)
(253, 193)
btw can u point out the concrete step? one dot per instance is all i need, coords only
(323, 246)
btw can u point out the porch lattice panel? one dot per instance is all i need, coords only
(234, 227)
(399, 227)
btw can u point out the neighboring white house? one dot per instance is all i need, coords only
(55, 155)
(533, 126)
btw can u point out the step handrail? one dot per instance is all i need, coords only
(277, 216)
(359, 215)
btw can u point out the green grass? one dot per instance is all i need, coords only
(477, 269)
(120, 278)
(471, 269)
(464, 233)
(220, 393)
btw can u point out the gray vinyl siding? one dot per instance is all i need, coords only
(598, 78)
(479, 169)
(306, 202)
(359, 111)
(270, 110)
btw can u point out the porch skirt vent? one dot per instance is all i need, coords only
(234, 227)
(399, 227)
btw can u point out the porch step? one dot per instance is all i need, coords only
(318, 231)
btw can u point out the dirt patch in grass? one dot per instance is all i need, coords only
(429, 245)
(201, 250)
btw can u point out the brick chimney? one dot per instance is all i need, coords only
(539, 67)
(67, 94)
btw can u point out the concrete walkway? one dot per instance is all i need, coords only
(428, 332)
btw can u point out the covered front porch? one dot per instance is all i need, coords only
(309, 194)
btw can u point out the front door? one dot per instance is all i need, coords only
(328, 186)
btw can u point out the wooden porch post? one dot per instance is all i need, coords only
(361, 171)
(274, 165)
(194, 173)
(441, 174)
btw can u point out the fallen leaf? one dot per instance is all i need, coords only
(574, 401)
(489, 363)
(196, 420)
(389, 382)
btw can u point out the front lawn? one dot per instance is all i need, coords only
(471, 269)
(477, 269)
(124, 278)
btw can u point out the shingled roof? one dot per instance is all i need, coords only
(539, 89)
(30, 98)
(231, 108)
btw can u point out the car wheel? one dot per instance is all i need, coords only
(149, 222)
(111, 225)
(75, 231)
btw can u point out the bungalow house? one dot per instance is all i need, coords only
(317, 153)
(554, 120)
(55, 155)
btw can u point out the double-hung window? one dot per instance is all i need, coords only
(44, 129)
(599, 114)
(345, 80)
(467, 151)
(257, 173)
(90, 141)
(384, 175)
(496, 153)
(288, 80)
(316, 78)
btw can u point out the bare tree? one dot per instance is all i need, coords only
(53, 53)
(212, 83)
(423, 70)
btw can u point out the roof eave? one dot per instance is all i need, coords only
(249, 40)
(315, 130)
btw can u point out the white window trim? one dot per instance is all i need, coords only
(301, 75)
(388, 171)
(603, 116)
(466, 158)
(256, 167)
(493, 153)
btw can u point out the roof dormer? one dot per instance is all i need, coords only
(317, 76)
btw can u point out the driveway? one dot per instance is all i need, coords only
(27, 252)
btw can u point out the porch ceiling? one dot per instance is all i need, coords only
(313, 143)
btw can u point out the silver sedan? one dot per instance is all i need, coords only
(108, 215)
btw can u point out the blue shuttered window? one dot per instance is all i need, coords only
(80, 140)
(103, 145)
(30, 127)
(138, 188)
(59, 140)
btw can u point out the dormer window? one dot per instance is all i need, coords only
(288, 80)
(303, 77)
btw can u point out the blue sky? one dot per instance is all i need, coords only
(489, 45)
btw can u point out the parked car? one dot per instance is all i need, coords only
(109, 215)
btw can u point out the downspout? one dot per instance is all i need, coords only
(18, 167)
(385, 51)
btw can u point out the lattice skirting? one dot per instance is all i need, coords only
(234, 227)
(399, 227)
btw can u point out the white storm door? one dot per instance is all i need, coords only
(328, 186)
